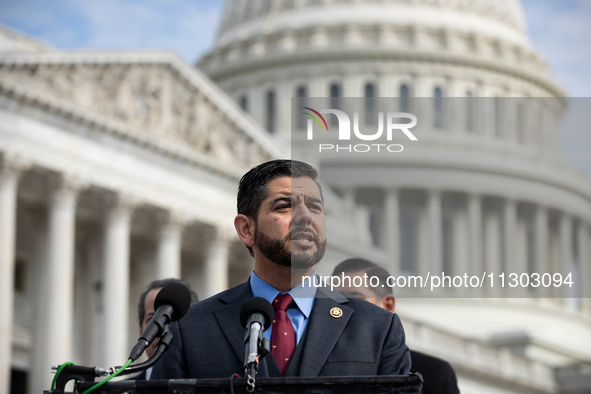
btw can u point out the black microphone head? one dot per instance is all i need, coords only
(254, 305)
(176, 295)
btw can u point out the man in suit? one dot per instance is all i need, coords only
(316, 332)
(146, 313)
(438, 375)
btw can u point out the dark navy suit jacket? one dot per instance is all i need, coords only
(209, 340)
(438, 374)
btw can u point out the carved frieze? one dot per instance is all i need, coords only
(149, 97)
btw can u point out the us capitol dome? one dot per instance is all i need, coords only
(484, 188)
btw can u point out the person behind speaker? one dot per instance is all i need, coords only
(438, 374)
(146, 312)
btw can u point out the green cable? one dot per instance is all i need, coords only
(57, 373)
(99, 384)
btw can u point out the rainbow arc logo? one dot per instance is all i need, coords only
(315, 118)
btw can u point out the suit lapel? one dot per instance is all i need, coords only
(228, 317)
(324, 330)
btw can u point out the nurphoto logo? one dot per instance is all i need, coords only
(393, 124)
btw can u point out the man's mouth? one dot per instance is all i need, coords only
(303, 238)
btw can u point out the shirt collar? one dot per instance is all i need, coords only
(302, 295)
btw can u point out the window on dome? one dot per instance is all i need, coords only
(369, 90)
(497, 116)
(271, 112)
(335, 90)
(335, 102)
(469, 112)
(244, 103)
(404, 98)
(370, 104)
(438, 108)
(520, 123)
(538, 129)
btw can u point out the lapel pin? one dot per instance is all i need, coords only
(336, 312)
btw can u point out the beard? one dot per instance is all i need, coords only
(275, 249)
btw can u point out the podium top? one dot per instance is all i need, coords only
(292, 385)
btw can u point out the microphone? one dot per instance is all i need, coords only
(171, 304)
(256, 315)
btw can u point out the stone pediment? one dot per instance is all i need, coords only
(156, 93)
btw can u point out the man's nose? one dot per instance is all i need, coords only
(301, 215)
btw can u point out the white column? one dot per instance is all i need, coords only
(55, 345)
(510, 264)
(460, 263)
(168, 263)
(493, 250)
(283, 109)
(257, 104)
(216, 262)
(541, 249)
(318, 87)
(521, 251)
(584, 240)
(564, 265)
(9, 175)
(475, 231)
(352, 86)
(116, 280)
(434, 208)
(349, 201)
(392, 230)
(423, 251)
(510, 230)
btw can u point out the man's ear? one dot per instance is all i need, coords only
(245, 228)
(388, 303)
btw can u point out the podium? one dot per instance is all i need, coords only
(291, 385)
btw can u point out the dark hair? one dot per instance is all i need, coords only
(158, 284)
(382, 289)
(369, 268)
(252, 188)
(353, 265)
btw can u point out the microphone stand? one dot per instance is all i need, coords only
(78, 372)
(163, 346)
(256, 350)
(88, 374)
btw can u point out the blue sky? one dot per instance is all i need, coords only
(185, 26)
(560, 31)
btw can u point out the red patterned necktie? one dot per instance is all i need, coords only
(283, 341)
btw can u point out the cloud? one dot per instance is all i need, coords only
(186, 26)
(560, 30)
(47, 21)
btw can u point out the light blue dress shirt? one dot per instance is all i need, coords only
(302, 295)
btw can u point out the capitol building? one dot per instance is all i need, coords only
(121, 167)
